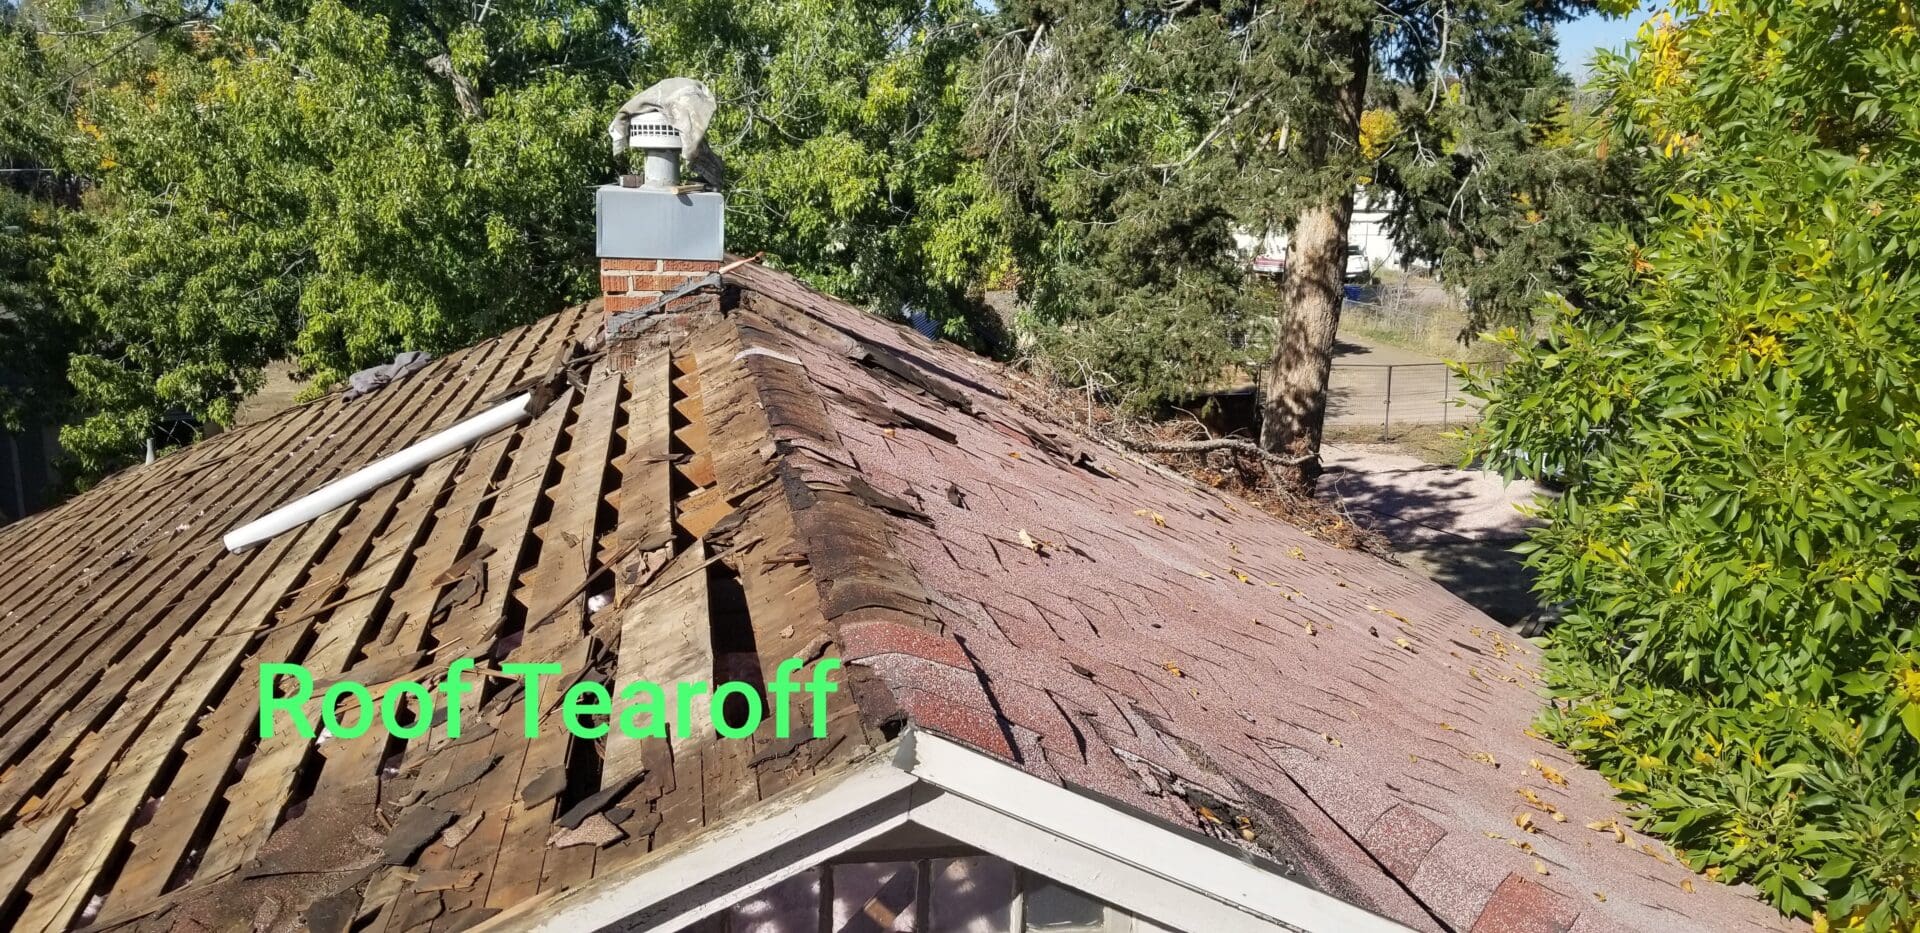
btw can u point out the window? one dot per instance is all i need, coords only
(958, 892)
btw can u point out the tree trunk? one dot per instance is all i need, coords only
(1294, 385)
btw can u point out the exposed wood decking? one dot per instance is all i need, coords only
(132, 776)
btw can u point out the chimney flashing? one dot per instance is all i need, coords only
(649, 223)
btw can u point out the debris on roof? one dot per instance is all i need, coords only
(802, 480)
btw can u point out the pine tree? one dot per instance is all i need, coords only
(1135, 136)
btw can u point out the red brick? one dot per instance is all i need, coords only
(617, 304)
(662, 282)
(1521, 905)
(690, 265)
(615, 284)
(629, 265)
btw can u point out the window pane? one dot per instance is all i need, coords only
(879, 893)
(972, 895)
(792, 906)
(1052, 908)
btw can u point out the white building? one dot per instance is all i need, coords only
(1370, 245)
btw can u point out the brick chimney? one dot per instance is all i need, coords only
(659, 242)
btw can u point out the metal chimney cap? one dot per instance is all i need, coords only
(651, 130)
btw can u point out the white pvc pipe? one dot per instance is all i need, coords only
(379, 473)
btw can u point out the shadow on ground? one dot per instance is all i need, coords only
(1455, 526)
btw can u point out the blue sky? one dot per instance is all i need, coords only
(1582, 37)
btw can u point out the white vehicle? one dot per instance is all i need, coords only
(1359, 269)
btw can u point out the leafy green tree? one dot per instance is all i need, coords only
(33, 387)
(342, 179)
(1732, 413)
(1501, 190)
(1136, 136)
(839, 122)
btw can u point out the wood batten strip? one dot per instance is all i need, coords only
(555, 595)
(179, 674)
(645, 526)
(95, 612)
(362, 566)
(160, 711)
(81, 595)
(471, 630)
(68, 707)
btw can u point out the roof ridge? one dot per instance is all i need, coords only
(876, 608)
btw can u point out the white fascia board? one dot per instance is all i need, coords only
(1156, 850)
(762, 847)
(1066, 861)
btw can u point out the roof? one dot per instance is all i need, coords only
(800, 479)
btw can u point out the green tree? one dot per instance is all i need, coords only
(1733, 415)
(1136, 136)
(1500, 190)
(341, 179)
(37, 338)
(839, 122)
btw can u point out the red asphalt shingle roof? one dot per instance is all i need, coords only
(863, 493)
(1171, 647)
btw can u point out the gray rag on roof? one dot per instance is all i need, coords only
(374, 378)
(688, 107)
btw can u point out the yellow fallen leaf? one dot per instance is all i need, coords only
(1296, 553)
(1331, 740)
(1713, 873)
(1600, 896)
(1524, 820)
(1173, 669)
(1310, 628)
(1540, 867)
(1243, 578)
(1204, 575)
(1404, 644)
(1547, 771)
(1687, 885)
(1029, 541)
(1558, 817)
(1484, 759)
(1449, 727)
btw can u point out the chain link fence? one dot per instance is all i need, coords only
(1399, 393)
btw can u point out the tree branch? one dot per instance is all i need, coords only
(1218, 443)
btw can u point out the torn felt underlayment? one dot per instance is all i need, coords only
(374, 378)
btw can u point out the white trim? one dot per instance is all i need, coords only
(720, 868)
(1167, 876)
(1131, 840)
(1096, 874)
